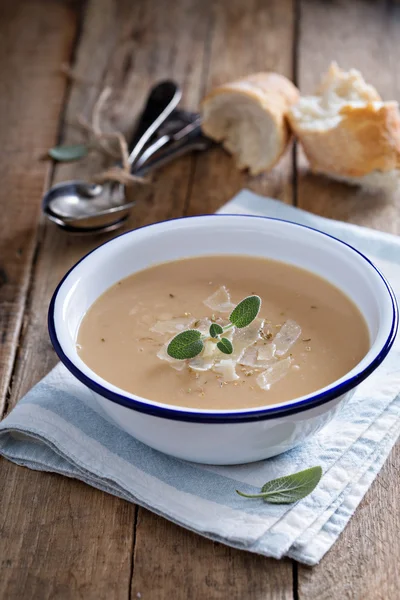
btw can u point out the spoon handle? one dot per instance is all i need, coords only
(162, 100)
(193, 139)
(189, 131)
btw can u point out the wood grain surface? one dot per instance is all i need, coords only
(30, 104)
(58, 537)
(363, 563)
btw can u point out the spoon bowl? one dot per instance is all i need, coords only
(80, 206)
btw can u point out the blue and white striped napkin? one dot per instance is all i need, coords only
(58, 427)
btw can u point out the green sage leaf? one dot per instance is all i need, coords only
(225, 346)
(288, 489)
(185, 345)
(215, 330)
(245, 312)
(68, 153)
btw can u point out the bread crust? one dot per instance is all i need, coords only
(366, 139)
(272, 92)
(346, 129)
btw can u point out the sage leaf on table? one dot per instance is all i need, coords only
(187, 344)
(245, 312)
(68, 153)
(288, 489)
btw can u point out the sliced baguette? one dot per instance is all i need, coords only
(249, 117)
(348, 132)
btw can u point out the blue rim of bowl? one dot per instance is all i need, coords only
(261, 414)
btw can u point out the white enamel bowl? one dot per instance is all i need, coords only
(223, 436)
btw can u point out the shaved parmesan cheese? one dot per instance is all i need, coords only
(202, 325)
(274, 373)
(243, 338)
(266, 352)
(201, 363)
(226, 368)
(179, 365)
(205, 360)
(286, 337)
(210, 349)
(165, 316)
(172, 325)
(220, 301)
(250, 358)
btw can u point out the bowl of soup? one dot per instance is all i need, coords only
(327, 319)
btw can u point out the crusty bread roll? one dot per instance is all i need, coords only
(249, 117)
(348, 132)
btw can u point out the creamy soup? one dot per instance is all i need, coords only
(307, 334)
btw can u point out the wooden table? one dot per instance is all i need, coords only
(60, 538)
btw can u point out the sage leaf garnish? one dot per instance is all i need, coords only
(288, 489)
(225, 346)
(215, 330)
(245, 312)
(187, 344)
(68, 153)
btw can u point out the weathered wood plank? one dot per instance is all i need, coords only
(246, 37)
(42, 524)
(130, 46)
(171, 562)
(30, 104)
(50, 547)
(363, 564)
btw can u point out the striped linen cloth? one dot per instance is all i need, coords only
(58, 427)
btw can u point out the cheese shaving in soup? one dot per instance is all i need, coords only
(274, 373)
(210, 350)
(172, 325)
(243, 338)
(226, 368)
(286, 337)
(220, 301)
(251, 358)
(266, 352)
(202, 362)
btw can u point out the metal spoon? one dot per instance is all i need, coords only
(188, 139)
(79, 206)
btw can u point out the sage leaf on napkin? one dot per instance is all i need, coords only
(288, 489)
(68, 153)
